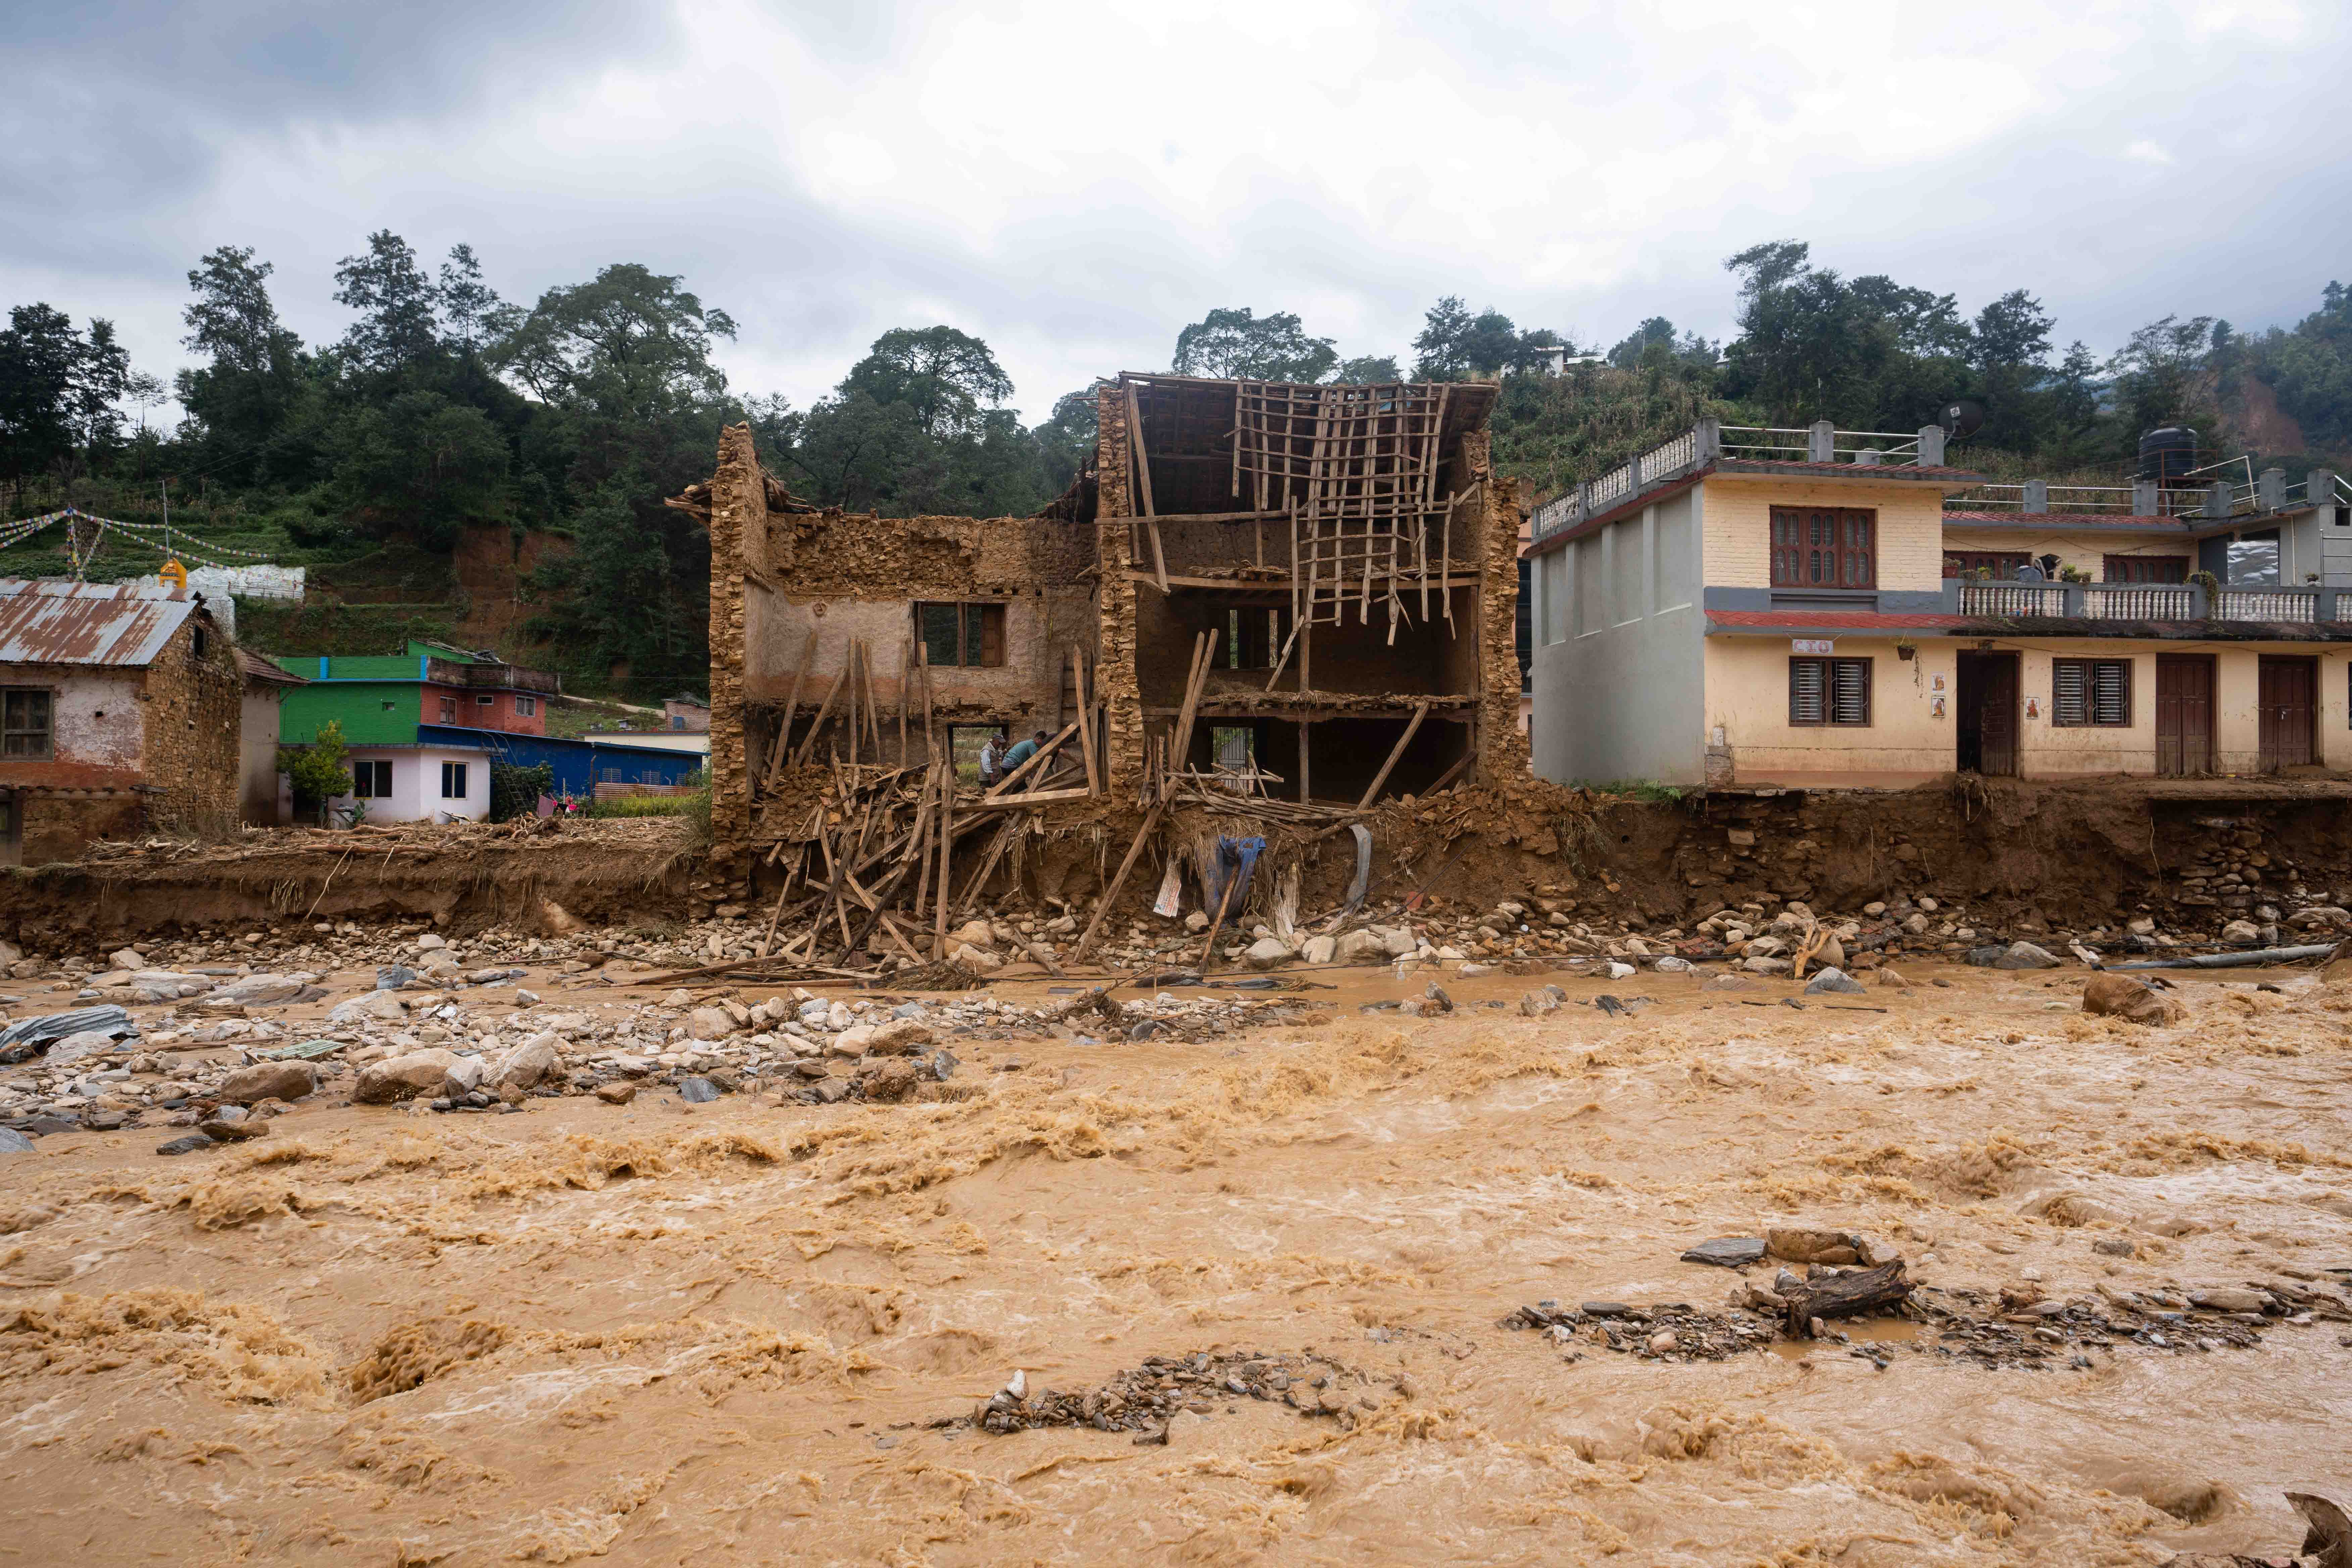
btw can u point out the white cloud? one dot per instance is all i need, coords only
(1074, 180)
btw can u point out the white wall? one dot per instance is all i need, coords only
(416, 785)
(1617, 658)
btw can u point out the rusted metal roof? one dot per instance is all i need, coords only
(124, 625)
(268, 671)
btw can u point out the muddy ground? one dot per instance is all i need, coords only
(761, 1333)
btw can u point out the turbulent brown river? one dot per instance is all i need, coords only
(740, 1332)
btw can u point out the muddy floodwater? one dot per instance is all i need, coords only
(746, 1333)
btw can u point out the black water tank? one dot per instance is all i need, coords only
(2168, 454)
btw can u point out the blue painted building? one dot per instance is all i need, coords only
(580, 766)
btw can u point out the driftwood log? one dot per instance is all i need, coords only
(1847, 1295)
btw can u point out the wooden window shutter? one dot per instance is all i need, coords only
(991, 633)
(1850, 691)
(2067, 704)
(1806, 683)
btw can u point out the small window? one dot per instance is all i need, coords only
(969, 635)
(371, 779)
(2090, 692)
(2144, 569)
(25, 721)
(453, 781)
(2000, 565)
(526, 706)
(1253, 637)
(1824, 547)
(198, 643)
(1829, 691)
(448, 710)
(485, 701)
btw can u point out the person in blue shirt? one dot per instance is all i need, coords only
(1022, 754)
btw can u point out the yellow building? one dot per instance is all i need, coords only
(1824, 607)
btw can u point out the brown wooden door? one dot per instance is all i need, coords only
(1987, 714)
(2184, 714)
(2288, 705)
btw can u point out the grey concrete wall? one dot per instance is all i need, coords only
(1618, 637)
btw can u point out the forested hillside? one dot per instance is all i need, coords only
(445, 416)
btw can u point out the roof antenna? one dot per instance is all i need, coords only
(1961, 419)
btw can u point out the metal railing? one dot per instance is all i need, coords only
(1765, 450)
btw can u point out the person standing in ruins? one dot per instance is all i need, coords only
(991, 759)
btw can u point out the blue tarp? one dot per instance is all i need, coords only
(1236, 859)
(579, 766)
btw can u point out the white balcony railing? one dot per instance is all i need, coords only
(2138, 602)
(2012, 599)
(2298, 607)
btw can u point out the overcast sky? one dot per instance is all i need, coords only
(1075, 180)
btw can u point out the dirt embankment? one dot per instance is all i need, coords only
(463, 876)
(2062, 858)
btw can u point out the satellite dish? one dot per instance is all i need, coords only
(1960, 420)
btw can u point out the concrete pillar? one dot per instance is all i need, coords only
(2147, 497)
(1709, 441)
(1822, 442)
(1870, 458)
(2037, 496)
(1931, 445)
(2320, 487)
(2218, 499)
(2270, 489)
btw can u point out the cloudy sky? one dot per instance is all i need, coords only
(1075, 180)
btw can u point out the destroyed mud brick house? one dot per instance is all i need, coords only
(1299, 595)
(120, 710)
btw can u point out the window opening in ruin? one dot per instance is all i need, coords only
(25, 721)
(1254, 635)
(2091, 691)
(1829, 691)
(1824, 547)
(371, 779)
(1231, 745)
(198, 642)
(964, 741)
(962, 635)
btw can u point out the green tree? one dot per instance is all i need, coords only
(2159, 375)
(399, 326)
(945, 376)
(632, 345)
(40, 354)
(317, 770)
(1238, 344)
(1366, 370)
(1455, 343)
(239, 402)
(422, 467)
(2310, 368)
(472, 311)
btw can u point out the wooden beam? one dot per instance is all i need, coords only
(947, 856)
(1110, 894)
(1023, 801)
(1036, 759)
(1159, 556)
(817, 723)
(1084, 688)
(1135, 449)
(1420, 711)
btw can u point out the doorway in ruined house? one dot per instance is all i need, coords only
(2288, 709)
(2184, 714)
(1349, 753)
(1986, 706)
(12, 829)
(964, 744)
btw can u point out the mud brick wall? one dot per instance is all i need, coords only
(194, 715)
(739, 509)
(1115, 684)
(1502, 749)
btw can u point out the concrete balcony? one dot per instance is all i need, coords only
(2144, 601)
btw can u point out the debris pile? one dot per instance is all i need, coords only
(1146, 1398)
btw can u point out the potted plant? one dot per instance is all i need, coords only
(1905, 649)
